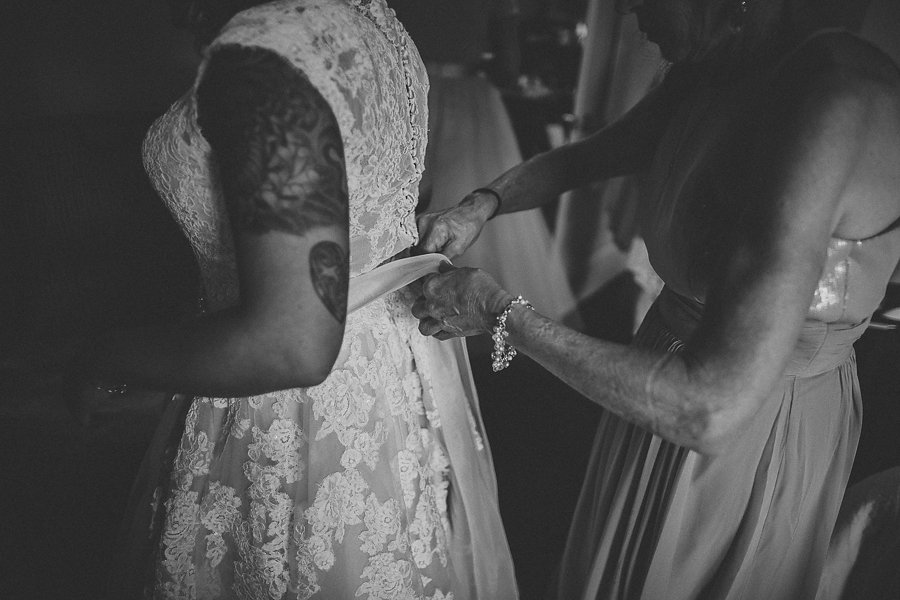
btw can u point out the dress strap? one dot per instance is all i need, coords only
(800, 45)
(894, 225)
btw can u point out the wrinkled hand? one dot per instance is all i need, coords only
(453, 230)
(458, 302)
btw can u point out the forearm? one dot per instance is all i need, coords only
(623, 148)
(221, 355)
(654, 390)
(542, 178)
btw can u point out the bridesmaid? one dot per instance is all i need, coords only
(770, 153)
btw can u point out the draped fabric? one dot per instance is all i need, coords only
(377, 483)
(865, 547)
(656, 521)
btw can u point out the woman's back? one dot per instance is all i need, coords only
(695, 205)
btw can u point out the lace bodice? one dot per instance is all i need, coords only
(362, 62)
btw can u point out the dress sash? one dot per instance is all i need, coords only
(820, 347)
(480, 554)
(390, 277)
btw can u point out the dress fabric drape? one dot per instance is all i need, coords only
(657, 521)
(865, 547)
(377, 483)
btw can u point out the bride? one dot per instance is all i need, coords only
(322, 448)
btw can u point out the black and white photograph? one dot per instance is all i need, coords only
(450, 300)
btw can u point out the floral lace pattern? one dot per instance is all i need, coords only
(361, 60)
(340, 490)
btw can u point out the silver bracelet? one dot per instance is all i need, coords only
(503, 353)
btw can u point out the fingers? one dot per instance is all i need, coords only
(436, 307)
(439, 328)
(431, 285)
(419, 308)
(455, 248)
(429, 326)
(435, 237)
(423, 222)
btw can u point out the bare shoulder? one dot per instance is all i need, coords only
(838, 71)
(838, 98)
(276, 141)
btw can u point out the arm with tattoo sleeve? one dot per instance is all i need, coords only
(279, 158)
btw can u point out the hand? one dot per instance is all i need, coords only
(453, 230)
(458, 302)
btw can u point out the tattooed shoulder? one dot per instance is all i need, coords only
(276, 142)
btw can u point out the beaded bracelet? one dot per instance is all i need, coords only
(503, 353)
(493, 193)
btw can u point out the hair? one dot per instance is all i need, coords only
(752, 40)
(204, 18)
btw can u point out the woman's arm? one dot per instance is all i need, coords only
(795, 185)
(624, 147)
(279, 158)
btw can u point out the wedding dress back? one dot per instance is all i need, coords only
(363, 64)
(378, 482)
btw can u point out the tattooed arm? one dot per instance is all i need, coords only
(280, 161)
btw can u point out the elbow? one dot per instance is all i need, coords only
(302, 367)
(715, 429)
(299, 361)
(306, 378)
(709, 442)
(710, 408)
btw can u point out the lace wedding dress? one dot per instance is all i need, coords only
(377, 483)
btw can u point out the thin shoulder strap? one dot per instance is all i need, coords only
(815, 34)
(802, 43)
(894, 225)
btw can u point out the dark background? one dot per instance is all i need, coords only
(86, 244)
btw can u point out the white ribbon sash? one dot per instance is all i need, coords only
(390, 277)
(481, 558)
